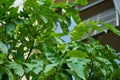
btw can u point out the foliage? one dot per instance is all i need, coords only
(30, 46)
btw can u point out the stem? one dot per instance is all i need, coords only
(33, 43)
(91, 62)
(31, 48)
(91, 67)
(29, 52)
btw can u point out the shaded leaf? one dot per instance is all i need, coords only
(50, 54)
(1, 62)
(10, 28)
(3, 48)
(35, 65)
(10, 75)
(16, 67)
(1, 74)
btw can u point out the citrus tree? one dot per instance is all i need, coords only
(31, 48)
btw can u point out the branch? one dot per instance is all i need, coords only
(33, 43)
(31, 49)
(91, 69)
(29, 52)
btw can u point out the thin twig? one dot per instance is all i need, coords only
(91, 68)
(31, 48)
(30, 52)
(91, 62)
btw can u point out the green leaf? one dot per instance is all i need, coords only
(16, 67)
(79, 31)
(10, 28)
(104, 62)
(94, 26)
(10, 75)
(113, 51)
(44, 19)
(1, 62)
(35, 65)
(81, 2)
(50, 69)
(64, 27)
(38, 66)
(71, 12)
(60, 5)
(50, 54)
(112, 28)
(62, 47)
(3, 48)
(13, 12)
(29, 67)
(78, 65)
(2, 57)
(1, 74)
(77, 53)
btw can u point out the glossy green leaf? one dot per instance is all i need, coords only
(36, 66)
(104, 61)
(50, 54)
(50, 69)
(18, 69)
(78, 66)
(3, 48)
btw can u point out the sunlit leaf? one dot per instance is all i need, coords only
(44, 19)
(81, 2)
(76, 53)
(79, 31)
(78, 66)
(112, 28)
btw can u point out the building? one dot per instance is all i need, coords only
(104, 11)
